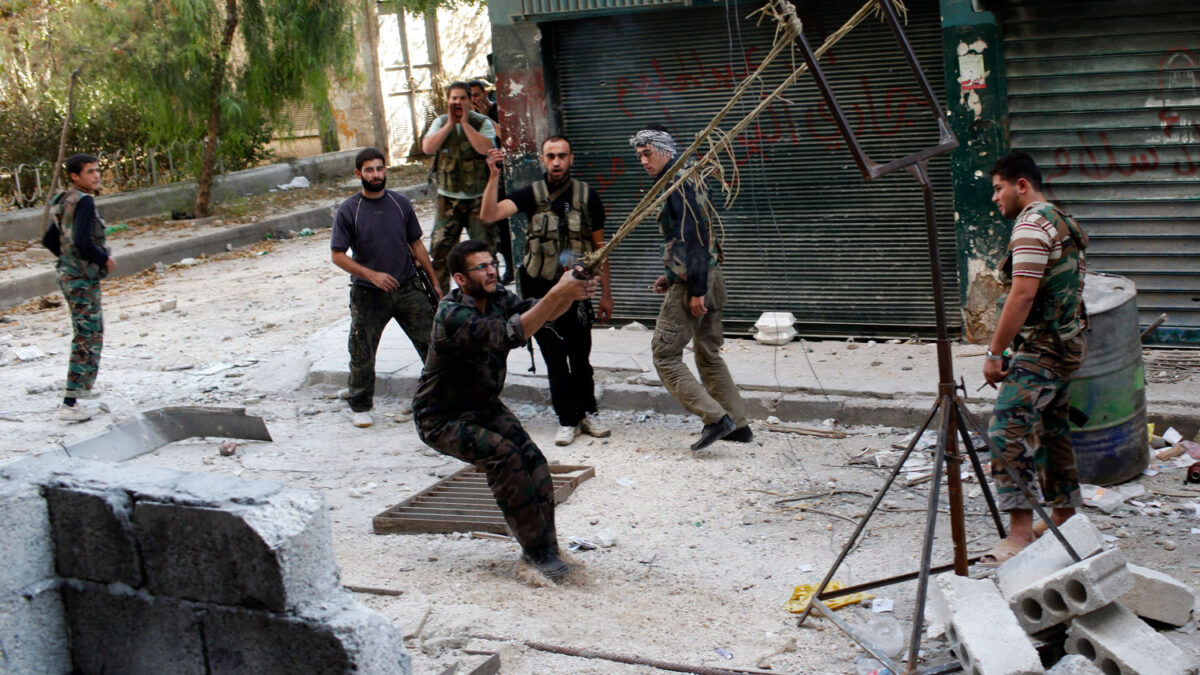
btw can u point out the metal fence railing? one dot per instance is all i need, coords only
(27, 184)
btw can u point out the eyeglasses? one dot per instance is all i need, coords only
(484, 266)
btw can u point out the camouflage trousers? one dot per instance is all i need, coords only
(453, 216)
(1030, 424)
(87, 324)
(673, 330)
(370, 311)
(493, 440)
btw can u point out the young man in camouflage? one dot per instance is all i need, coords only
(457, 406)
(1043, 316)
(83, 262)
(695, 297)
(381, 228)
(565, 216)
(460, 140)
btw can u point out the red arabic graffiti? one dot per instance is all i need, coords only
(864, 117)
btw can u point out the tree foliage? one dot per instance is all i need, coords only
(149, 69)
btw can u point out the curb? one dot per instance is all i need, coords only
(862, 410)
(17, 291)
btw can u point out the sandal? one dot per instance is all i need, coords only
(1003, 550)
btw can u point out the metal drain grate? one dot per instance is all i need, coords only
(462, 502)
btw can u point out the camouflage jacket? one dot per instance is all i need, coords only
(72, 262)
(468, 355)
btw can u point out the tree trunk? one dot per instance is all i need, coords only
(370, 54)
(208, 161)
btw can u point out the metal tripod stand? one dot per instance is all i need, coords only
(954, 419)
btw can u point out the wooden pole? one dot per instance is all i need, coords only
(62, 148)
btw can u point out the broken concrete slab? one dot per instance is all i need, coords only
(983, 631)
(945, 593)
(1117, 641)
(1158, 596)
(155, 428)
(1078, 589)
(1046, 555)
(1074, 664)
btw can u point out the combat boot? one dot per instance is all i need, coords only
(547, 562)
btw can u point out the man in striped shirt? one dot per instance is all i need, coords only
(1043, 318)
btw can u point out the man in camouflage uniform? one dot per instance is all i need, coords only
(457, 406)
(381, 228)
(83, 262)
(695, 297)
(460, 140)
(1043, 312)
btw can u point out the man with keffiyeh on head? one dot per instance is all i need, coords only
(694, 286)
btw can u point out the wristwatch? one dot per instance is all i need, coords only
(993, 357)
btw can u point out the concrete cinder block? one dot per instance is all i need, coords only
(1046, 555)
(983, 632)
(1158, 596)
(1078, 589)
(93, 539)
(1117, 641)
(947, 591)
(1074, 664)
(346, 639)
(33, 632)
(26, 549)
(115, 630)
(274, 554)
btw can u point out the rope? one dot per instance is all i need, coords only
(709, 164)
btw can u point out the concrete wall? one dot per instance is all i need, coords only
(27, 223)
(117, 568)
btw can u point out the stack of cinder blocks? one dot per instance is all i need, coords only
(1041, 590)
(117, 568)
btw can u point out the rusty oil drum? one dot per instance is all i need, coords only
(1110, 386)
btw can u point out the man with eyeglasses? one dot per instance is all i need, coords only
(381, 228)
(566, 222)
(694, 287)
(457, 406)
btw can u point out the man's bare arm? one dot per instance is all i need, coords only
(421, 255)
(433, 141)
(490, 211)
(557, 300)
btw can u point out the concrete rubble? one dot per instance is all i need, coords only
(117, 568)
(989, 624)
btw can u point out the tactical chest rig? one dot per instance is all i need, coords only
(549, 236)
(69, 260)
(459, 167)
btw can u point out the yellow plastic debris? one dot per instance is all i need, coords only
(1150, 431)
(804, 594)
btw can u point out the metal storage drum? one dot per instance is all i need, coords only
(1110, 386)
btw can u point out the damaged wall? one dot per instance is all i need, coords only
(977, 107)
(117, 568)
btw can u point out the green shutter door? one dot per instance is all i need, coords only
(807, 233)
(1106, 96)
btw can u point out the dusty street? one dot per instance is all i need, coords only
(708, 546)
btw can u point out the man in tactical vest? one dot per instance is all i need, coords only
(459, 141)
(82, 263)
(381, 228)
(695, 297)
(1043, 316)
(566, 222)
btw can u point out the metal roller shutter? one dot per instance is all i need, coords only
(1106, 96)
(807, 234)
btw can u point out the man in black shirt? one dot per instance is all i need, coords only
(566, 221)
(382, 229)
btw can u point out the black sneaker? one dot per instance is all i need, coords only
(714, 432)
(740, 435)
(547, 563)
